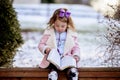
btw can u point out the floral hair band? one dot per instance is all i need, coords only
(64, 13)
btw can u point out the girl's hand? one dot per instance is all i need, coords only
(47, 50)
(76, 58)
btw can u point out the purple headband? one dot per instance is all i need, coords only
(64, 13)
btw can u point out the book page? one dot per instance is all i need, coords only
(61, 63)
(67, 61)
(54, 58)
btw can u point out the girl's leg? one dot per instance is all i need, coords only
(72, 74)
(53, 75)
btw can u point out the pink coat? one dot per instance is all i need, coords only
(49, 40)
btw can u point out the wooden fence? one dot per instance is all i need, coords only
(41, 74)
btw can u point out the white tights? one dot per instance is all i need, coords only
(72, 74)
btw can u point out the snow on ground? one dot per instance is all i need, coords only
(28, 55)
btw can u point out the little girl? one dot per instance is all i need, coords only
(60, 34)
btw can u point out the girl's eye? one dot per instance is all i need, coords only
(57, 25)
(63, 26)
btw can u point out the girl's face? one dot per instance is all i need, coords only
(60, 26)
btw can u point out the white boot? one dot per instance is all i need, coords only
(53, 75)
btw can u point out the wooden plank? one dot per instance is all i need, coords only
(99, 69)
(99, 74)
(109, 69)
(36, 72)
(33, 78)
(9, 78)
(98, 79)
(42, 74)
(83, 69)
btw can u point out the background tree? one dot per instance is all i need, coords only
(10, 36)
(112, 36)
(110, 9)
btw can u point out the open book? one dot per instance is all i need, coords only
(61, 62)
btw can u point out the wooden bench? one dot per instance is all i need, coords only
(99, 73)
